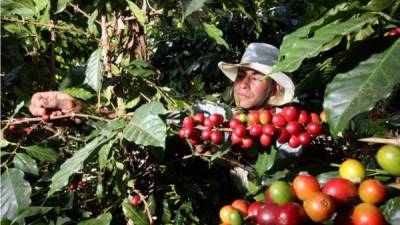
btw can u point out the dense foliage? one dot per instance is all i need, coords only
(141, 66)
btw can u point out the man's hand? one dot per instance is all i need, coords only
(57, 103)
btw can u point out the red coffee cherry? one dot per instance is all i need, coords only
(279, 120)
(314, 128)
(294, 141)
(269, 129)
(135, 200)
(189, 121)
(46, 118)
(12, 128)
(216, 136)
(283, 135)
(216, 119)
(304, 138)
(247, 142)
(205, 135)
(27, 130)
(234, 123)
(265, 140)
(304, 118)
(235, 139)
(209, 123)
(255, 130)
(290, 113)
(187, 132)
(240, 130)
(199, 118)
(253, 117)
(293, 128)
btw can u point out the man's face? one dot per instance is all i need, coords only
(249, 89)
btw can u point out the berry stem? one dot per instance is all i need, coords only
(71, 115)
(393, 141)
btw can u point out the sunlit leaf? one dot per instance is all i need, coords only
(154, 107)
(359, 89)
(265, 161)
(30, 211)
(15, 193)
(103, 154)
(130, 212)
(391, 210)
(80, 93)
(378, 5)
(41, 153)
(74, 164)
(92, 23)
(296, 50)
(18, 30)
(146, 130)
(61, 5)
(26, 163)
(215, 33)
(94, 70)
(137, 12)
(190, 6)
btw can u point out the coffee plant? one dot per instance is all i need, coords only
(144, 150)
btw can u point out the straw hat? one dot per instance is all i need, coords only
(262, 57)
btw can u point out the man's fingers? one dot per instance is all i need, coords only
(50, 100)
(37, 110)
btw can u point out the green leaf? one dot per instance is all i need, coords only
(137, 12)
(109, 129)
(26, 163)
(323, 178)
(80, 93)
(140, 68)
(358, 90)
(74, 164)
(391, 210)
(190, 6)
(379, 5)
(27, 13)
(138, 217)
(146, 130)
(103, 219)
(94, 70)
(15, 193)
(40, 4)
(166, 212)
(154, 108)
(92, 23)
(185, 215)
(103, 154)
(132, 103)
(18, 108)
(24, 8)
(41, 153)
(265, 161)
(215, 33)
(30, 211)
(18, 30)
(61, 5)
(292, 54)
(3, 141)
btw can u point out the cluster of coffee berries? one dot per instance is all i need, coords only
(211, 128)
(290, 125)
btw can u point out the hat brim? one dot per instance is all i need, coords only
(281, 98)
